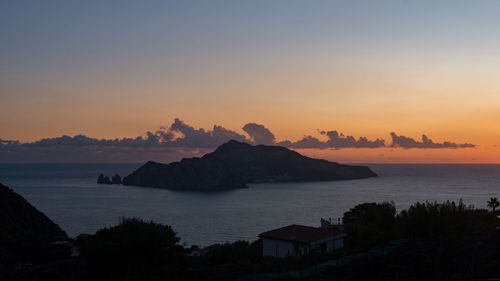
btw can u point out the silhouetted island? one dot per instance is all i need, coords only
(235, 164)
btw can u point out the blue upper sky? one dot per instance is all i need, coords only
(68, 34)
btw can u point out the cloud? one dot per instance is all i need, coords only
(340, 141)
(8, 142)
(180, 139)
(178, 134)
(335, 140)
(191, 137)
(149, 139)
(259, 134)
(305, 142)
(167, 144)
(407, 142)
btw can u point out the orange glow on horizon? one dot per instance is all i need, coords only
(479, 155)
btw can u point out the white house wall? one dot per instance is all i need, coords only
(277, 248)
(339, 242)
(332, 243)
(281, 249)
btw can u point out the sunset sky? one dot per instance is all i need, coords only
(115, 69)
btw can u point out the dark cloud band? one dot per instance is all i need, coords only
(406, 142)
(335, 140)
(180, 138)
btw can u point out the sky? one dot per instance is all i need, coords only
(118, 69)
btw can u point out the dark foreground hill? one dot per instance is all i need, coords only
(27, 236)
(22, 224)
(234, 164)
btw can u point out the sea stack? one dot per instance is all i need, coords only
(102, 179)
(116, 179)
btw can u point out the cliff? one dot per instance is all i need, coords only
(234, 164)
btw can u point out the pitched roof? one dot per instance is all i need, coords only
(300, 233)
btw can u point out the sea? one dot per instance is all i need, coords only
(69, 195)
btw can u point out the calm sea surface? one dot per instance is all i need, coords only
(69, 195)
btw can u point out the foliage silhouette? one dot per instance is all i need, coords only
(493, 203)
(134, 250)
(370, 223)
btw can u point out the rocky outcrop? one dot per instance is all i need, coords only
(116, 179)
(234, 164)
(102, 179)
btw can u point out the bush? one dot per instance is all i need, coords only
(237, 251)
(134, 250)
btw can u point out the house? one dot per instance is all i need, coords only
(296, 240)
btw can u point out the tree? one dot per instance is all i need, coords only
(370, 223)
(493, 203)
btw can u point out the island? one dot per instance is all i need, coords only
(235, 164)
